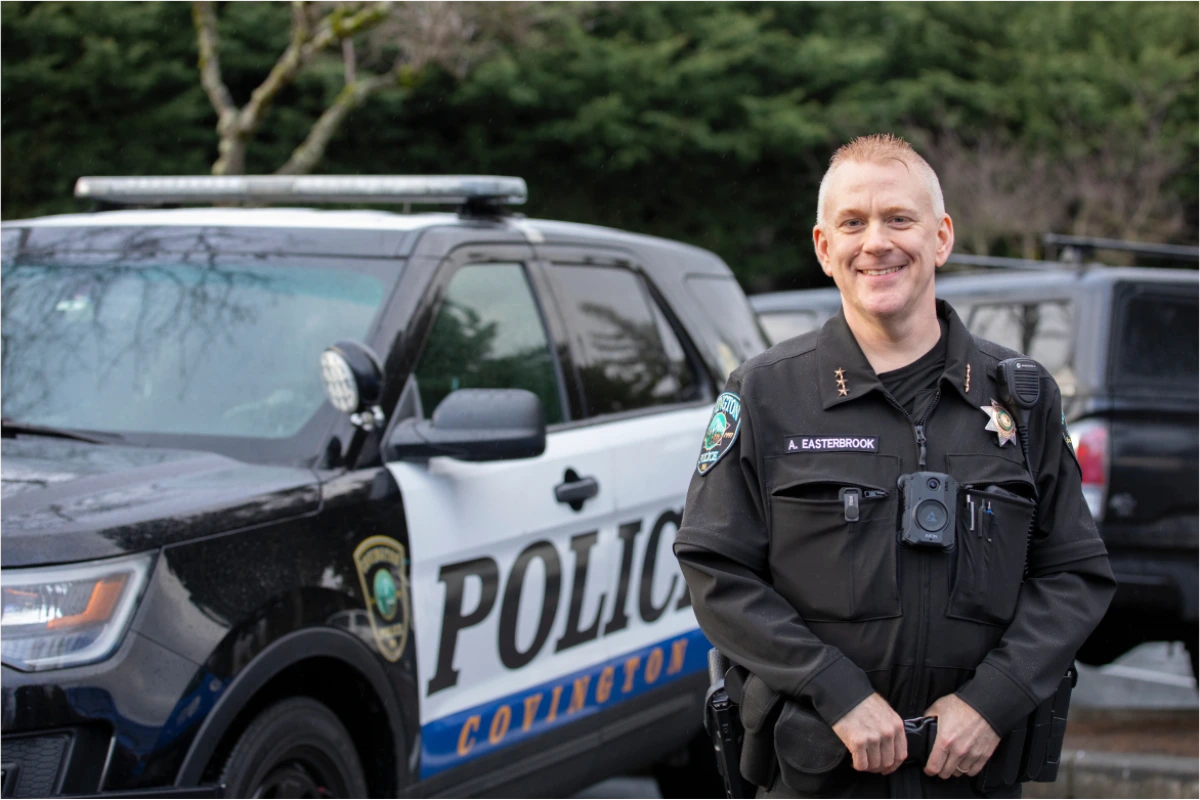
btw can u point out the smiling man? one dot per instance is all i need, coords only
(875, 543)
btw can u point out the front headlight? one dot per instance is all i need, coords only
(65, 616)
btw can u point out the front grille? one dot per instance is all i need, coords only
(32, 764)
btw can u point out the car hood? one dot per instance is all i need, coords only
(65, 500)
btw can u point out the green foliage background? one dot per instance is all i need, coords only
(709, 123)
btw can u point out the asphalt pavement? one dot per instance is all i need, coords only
(1146, 690)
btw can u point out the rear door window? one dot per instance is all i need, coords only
(1155, 340)
(627, 355)
(1043, 331)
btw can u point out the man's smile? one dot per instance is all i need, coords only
(881, 271)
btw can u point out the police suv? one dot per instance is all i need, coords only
(304, 503)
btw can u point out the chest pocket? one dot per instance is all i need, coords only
(995, 510)
(835, 562)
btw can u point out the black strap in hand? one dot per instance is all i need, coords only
(921, 733)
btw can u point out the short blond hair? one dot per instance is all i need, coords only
(876, 149)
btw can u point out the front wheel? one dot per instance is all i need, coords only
(691, 772)
(295, 748)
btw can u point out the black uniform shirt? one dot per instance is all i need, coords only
(826, 610)
(913, 385)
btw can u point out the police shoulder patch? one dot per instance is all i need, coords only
(722, 431)
(1068, 441)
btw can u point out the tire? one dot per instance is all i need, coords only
(295, 748)
(690, 773)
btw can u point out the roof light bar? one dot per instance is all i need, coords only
(436, 189)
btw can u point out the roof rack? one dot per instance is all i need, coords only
(1000, 262)
(474, 194)
(1079, 248)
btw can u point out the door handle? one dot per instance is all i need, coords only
(574, 490)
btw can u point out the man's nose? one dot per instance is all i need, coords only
(877, 239)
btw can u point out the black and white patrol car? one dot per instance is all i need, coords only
(349, 503)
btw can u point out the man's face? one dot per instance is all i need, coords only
(881, 241)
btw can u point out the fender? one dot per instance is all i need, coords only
(276, 657)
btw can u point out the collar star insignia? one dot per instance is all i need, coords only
(1000, 422)
(841, 382)
(967, 384)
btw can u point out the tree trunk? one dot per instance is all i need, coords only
(232, 158)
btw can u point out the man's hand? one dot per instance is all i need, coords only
(965, 741)
(874, 735)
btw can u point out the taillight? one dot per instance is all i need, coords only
(1090, 437)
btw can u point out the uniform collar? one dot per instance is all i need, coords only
(845, 374)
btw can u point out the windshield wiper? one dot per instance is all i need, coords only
(10, 427)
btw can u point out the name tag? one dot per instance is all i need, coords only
(831, 444)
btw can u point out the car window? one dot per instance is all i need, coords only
(1042, 331)
(489, 334)
(733, 320)
(781, 325)
(150, 346)
(1156, 341)
(624, 363)
(689, 384)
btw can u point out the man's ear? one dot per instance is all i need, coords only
(821, 246)
(945, 240)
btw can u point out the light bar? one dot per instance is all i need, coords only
(436, 189)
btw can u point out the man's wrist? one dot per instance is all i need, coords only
(837, 689)
(995, 697)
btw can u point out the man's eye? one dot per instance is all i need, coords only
(901, 220)
(852, 223)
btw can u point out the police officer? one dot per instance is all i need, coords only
(789, 537)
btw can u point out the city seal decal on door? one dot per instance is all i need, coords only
(380, 564)
(722, 431)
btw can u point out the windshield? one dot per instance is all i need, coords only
(219, 348)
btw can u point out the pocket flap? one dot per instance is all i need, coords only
(792, 473)
(804, 742)
(976, 468)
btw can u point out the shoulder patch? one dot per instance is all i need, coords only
(722, 431)
(1069, 443)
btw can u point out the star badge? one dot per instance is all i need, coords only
(1000, 422)
(841, 382)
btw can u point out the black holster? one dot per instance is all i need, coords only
(1033, 751)
(724, 727)
(777, 734)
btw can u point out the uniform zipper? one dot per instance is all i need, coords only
(923, 576)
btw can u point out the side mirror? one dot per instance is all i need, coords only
(475, 425)
(353, 379)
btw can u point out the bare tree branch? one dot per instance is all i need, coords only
(310, 151)
(283, 73)
(348, 59)
(337, 26)
(412, 36)
(237, 127)
(204, 17)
